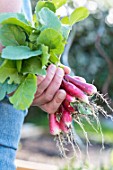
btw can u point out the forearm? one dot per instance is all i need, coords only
(10, 6)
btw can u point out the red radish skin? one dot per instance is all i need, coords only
(75, 91)
(67, 118)
(79, 79)
(69, 98)
(63, 127)
(54, 125)
(90, 89)
(67, 106)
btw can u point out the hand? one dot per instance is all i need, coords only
(48, 96)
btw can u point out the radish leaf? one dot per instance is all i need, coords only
(24, 95)
(19, 52)
(78, 14)
(65, 20)
(11, 35)
(19, 65)
(45, 55)
(33, 65)
(53, 58)
(50, 38)
(16, 19)
(48, 19)
(6, 88)
(59, 3)
(8, 70)
(42, 4)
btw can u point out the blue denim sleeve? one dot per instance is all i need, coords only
(11, 121)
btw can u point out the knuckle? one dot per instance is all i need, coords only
(49, 78)
(48, 97)
(39, 92)
(57, 82)
(51, 109)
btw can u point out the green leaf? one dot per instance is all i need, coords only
(65, 20)
(34, 35)
(6, 88)
(19, 52)
(59, 3)
(1, 60)
(50, 38)
(78, 14)
(24, 95)
(8, 70)
(60, 48)
(83, 109)
(12, 35)
(42, 4)
(19, 65)
(33, 65)
(53, 58)
(16, 19)
(45, 55)
(48, 19)
(65, 31)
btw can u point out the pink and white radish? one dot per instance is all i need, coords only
(75, 91)
(90, 89)
(54, 125)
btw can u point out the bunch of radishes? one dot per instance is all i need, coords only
(79, 103)
(78, 92)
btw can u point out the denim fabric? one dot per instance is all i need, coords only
(11, 121)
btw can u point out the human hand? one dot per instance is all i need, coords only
(48, 96)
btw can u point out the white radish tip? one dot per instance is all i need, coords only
(55, 132)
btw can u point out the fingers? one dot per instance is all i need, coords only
(53, 105)
(53, 87)
(45, 83)
(48, 96)
(67, 70)
(40, 79)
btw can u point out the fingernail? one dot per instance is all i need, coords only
(53, 68)
(62, 95)
(60, 72)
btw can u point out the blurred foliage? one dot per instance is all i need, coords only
(84, 58)
(86, 166)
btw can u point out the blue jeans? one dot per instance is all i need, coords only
(11, 121)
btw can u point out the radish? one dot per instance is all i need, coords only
(54, 125)
(90, 89)
(69, 98)
(75, 91)
(67, 106)
(63, 126)
(67, 118)
(79, 78)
